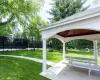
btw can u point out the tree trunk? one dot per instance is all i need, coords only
(33, 44)
(28, 45)
(11, 45)
(3, 44)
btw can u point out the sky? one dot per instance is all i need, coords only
(47, 7)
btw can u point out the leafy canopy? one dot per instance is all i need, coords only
(17, 10)
(14, 12)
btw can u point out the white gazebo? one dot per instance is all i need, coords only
(84, 25)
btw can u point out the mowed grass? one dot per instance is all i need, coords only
(82, 54)
(54, 56)
(19, 69)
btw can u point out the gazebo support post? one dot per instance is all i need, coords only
(95, 51)
(44, 67)
(64, 50)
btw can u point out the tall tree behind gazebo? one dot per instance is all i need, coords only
(62, 9)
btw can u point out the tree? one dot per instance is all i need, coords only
(64, 8)
(17, 12)
(33, 30)
(80, 44)
(32, 33)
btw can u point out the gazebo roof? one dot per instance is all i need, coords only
(83, 25)
(76, 17)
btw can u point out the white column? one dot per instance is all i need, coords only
(64, 50)
(95, 50)
(44, 67)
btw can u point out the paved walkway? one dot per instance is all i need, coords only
(33, 59)
(12, 49)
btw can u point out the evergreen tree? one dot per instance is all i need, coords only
(63, 9)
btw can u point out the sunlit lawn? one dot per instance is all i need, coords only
(81, 54)
(19, 69)
(54, 56)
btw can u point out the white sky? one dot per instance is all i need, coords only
(47, 7)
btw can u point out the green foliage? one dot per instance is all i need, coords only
(54, 44)
(34, 33)
(18, 10)
(80, 44)
(31, 32)
(4, 31)
(98, 43)
(64, 8)
(14, 12)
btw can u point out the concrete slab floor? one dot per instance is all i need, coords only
(63, 72)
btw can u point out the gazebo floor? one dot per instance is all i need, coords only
(61, 71)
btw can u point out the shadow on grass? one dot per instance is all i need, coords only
(19, 69)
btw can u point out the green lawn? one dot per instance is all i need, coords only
(81, 54)
(19, 69)
(55, 56)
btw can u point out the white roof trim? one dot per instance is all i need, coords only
(76, 17)
(91, 37)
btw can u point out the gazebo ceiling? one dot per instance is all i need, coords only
(77, 32)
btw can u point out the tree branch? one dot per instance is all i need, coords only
(6, 22)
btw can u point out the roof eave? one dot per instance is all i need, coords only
(76, 17)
